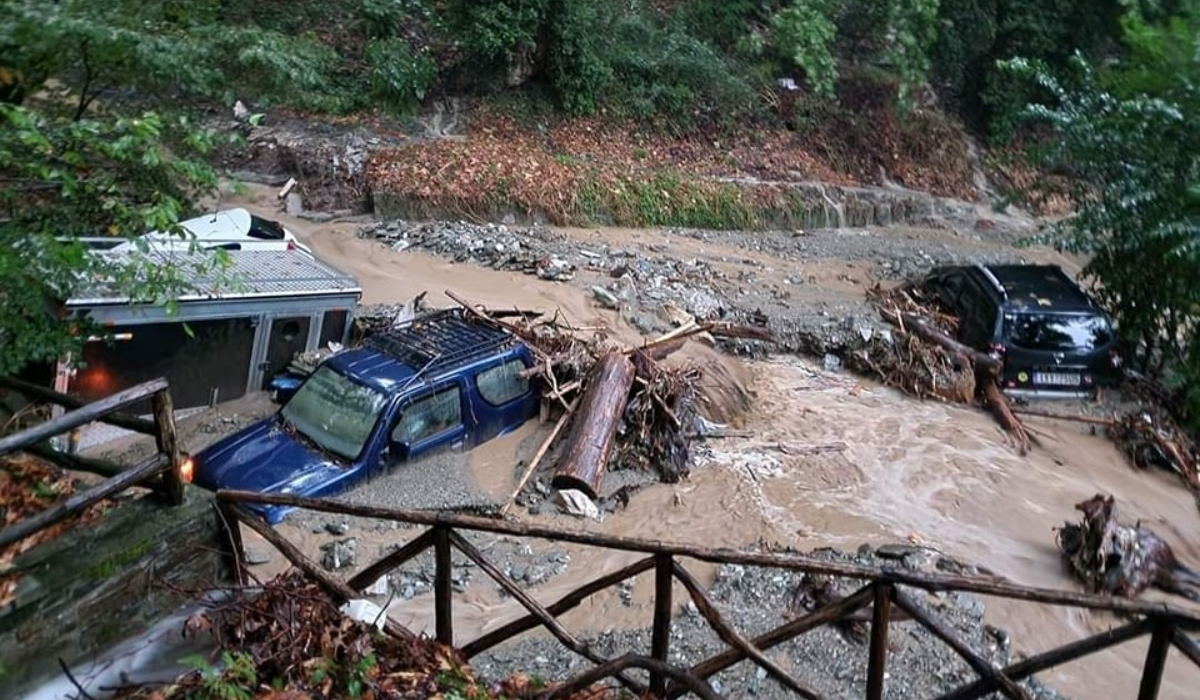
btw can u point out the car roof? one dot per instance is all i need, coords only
(429, 347)
(1040, 287)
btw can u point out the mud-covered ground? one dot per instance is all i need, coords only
(895, 470)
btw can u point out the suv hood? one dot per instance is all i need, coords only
(264, 457)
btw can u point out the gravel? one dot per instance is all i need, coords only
(646, 278)
(831, 660)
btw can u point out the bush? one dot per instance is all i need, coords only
(399, 75)
(669, 74)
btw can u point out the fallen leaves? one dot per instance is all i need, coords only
(28, 486)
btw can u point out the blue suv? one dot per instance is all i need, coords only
(444, 381)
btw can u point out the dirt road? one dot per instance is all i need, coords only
(900, 469)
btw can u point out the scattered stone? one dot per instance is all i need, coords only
(605, 297)
(340, 554)
(337, 528)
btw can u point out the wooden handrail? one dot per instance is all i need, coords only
(81, 416)
(795, 562)
(121, 420)
(136, 475)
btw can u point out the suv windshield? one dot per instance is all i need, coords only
(1058, 332)
(334, 412)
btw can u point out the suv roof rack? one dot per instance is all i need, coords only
(439, 339)
(990, 277)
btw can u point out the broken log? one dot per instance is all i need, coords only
(537, 458)
(590, 441)
(1003, 412)
(924, 330)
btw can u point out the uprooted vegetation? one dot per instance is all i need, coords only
(289, 639)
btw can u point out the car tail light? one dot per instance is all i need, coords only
(187, 469)
(291, 245)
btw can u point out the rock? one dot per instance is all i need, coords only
(293, 204)
(576, 503)
(256, 557)
(339, 528)
(895, 551)
(831, 362)
(340, 554)
(605, 297)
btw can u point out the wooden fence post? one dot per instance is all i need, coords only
(877, 661)
(167, 440)
(443, 586)
(660, 641)
(1156, 659)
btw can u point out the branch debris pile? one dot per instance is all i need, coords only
(1150, 438)
(921, 357)
(1115, 559)
(28, 486)
(288, 639)
(640, 412)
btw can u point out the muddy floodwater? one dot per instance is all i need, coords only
(823, 459)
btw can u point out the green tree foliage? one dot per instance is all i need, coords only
(1131, 138)
(194, 48)
(974, 36)
(62, 178)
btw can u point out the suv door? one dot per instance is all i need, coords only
(431, 421)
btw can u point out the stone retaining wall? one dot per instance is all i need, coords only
(99, 584)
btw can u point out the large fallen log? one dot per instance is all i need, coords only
(590, 440)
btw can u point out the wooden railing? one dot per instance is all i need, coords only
(167, 461)
(882, 592)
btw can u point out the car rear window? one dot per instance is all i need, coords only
(1058, 332)
(265, 229)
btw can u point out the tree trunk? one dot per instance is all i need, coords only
(590, 440)
(928, 333)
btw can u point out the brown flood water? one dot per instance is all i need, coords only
(897, 469)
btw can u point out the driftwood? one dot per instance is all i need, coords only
(1090, 420)
(926, 331)
(332, 584)
(541, 453)
(1003, 413)
(1124, 560)
(590, 441)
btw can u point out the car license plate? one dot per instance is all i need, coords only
(1056, 378)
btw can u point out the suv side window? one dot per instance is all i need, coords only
(502, 384)
(951, 289)
(429, 416)
(977, 316)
